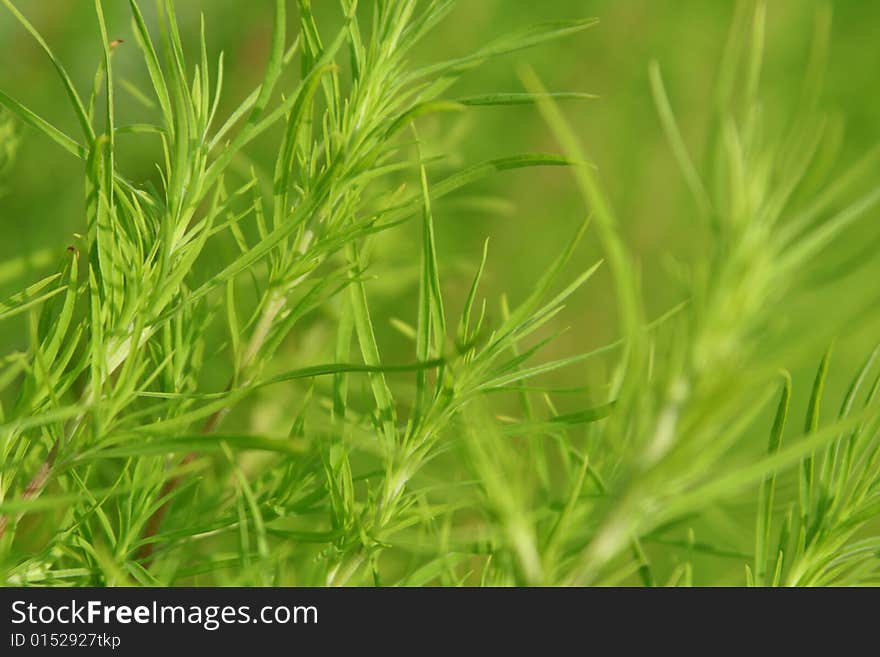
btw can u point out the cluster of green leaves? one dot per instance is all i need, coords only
(826, 535)
(114, 464)
(119, 338)
(769, 211)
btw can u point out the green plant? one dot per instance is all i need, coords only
(768, 217)
(315, 460)
(116, 352)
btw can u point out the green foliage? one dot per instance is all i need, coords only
(203, 396)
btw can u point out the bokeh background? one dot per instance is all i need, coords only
(528, 215)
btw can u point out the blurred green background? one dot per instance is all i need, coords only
(528, 215)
